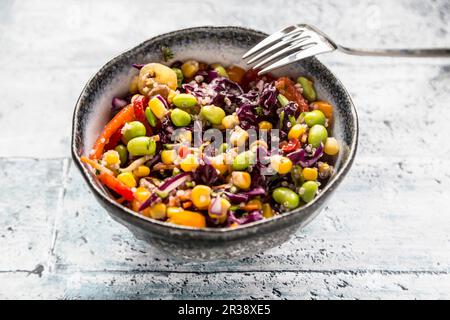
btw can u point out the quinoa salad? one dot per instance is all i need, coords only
(208, 145)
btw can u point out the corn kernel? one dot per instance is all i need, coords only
(201, 196)
(265, 125)
(241, 179)
(158, 108)
(310, 174)
(168, 156)
(267, 211)
(331, 146)
(111, 158)
(141, 171)
(128, 179)
(172, 210)
(187, 218)
(218, 163)
(189, 68)
(280, 164)
(323, 167)
(158, 211)
(189, 163)
(296, 131)
(171, 95)
(142, 194)
(230, 121)
(238, 137)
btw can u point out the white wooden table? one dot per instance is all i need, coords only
(385, 233)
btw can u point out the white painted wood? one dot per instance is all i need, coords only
(385, 233)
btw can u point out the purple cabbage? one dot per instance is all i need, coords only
(299, 157)
(252, 216)
(168, 185)
(245, 196)
(138, 66)
(205, 174)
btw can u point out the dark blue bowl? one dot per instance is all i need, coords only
(210, 44)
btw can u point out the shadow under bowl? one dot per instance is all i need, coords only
(209, 44)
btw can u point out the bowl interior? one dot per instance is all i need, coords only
(225, 45)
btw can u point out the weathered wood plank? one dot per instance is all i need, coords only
(375, 221)
(227, 285)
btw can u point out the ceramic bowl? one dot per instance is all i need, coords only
(209, 44)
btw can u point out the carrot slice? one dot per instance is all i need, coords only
(116, 185)
(124, 115)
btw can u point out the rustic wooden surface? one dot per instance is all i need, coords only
(385, 233)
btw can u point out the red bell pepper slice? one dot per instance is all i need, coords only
(116, 185)
(124, 115)
(287, 88)
(292, 145)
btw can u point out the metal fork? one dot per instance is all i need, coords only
(301, 41)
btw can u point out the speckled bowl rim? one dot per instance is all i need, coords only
(87, 175)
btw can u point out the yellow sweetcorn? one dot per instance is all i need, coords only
(238, 137)
(141, 171)
(296, 131)
(265, 125)
(142, 194)
(189, 163)
(310, 174)
(267, 211)
(224, 206)
(187, 218)
(158, 211)
(158, 108)
(128, 179)
(230, 121)
(172, 210)
(111, 158)
(280, 164)
(331, 146)
(241, 179)
(190, 68)
(201, 196)
(218, 163)
(168, 156)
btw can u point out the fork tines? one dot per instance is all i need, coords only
(290, 44)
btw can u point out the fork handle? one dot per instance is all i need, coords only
(437, 52)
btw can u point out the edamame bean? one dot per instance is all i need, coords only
(123, 153)
(282, 100)
(150, 117)
(308, 88)
(220, 70)
(317, 134)
(314, 117)
(132, 130)
(141, 146)
(243, 160)
(180, 76)
(286, 197)
(184, 100)
(180, 118)
(308, 191)
(213, 114)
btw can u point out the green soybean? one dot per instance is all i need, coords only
(308, 88)
(184, 100)
(314, 117)
(180, 76)
(243, 160)
(213, 114)
(123, 153)
(141, 146)
(180, 118)
(286, 197)
(282, 100)
(132, 130)
(150, 117)
(221, 71)
(317, 134)
(308, 191)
